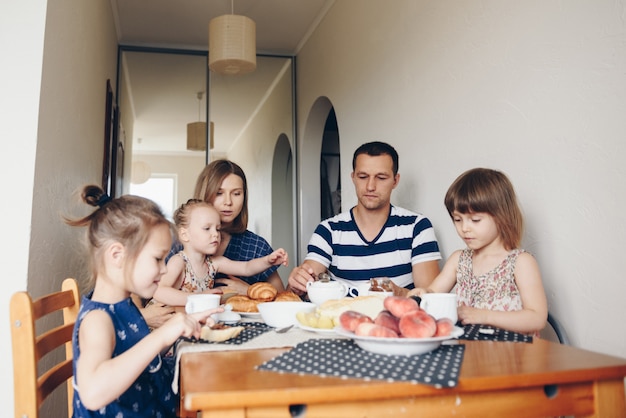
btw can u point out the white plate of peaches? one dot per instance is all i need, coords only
(401, 329)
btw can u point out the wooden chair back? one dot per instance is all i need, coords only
(30, 345)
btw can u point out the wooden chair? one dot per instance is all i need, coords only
(30, 345)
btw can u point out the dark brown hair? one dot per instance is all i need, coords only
(208, 184)
(488, 191)
(375, 149)
(126, 219)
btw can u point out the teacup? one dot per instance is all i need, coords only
(202, 302)
(440, 305)
(321, 291)
(359, 288)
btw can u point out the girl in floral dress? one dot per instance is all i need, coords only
(193, 269)
(496, 282)
(118, 367)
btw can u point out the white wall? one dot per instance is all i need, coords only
(19, 108)
(254, 152)
(55, 100)
(536, 89)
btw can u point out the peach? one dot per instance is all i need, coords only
(386, 319)
(349, 320)
(444, 327)
(398, 305)
(417, 324)
(381, 331)
(364, 328)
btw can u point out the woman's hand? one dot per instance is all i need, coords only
(232, 284)
(156, 314)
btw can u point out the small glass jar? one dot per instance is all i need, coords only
(380, 284)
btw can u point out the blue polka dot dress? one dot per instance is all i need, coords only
(151, 394)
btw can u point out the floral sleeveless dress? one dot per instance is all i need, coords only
(193, 284)
(151, 393)
(495, 290)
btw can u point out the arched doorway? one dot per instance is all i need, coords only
(283, 224)
(309, 157)
(330, 169)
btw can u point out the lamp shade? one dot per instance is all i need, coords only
(196, 136)
(232, 44)
(140, 172)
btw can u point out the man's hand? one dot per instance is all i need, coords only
(299, 277)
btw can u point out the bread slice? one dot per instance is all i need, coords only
(368, 305)
(220, 334)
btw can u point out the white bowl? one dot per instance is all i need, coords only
(283, 314)
(398, 346)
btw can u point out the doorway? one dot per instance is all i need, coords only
(283, 216)
(330, 169)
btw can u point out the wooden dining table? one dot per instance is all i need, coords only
(497, 379)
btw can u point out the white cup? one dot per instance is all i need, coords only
(202, 302)
(359, 288)
(440, 305)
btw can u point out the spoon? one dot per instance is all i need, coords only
(283, 329)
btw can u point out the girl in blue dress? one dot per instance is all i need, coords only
(118, 367)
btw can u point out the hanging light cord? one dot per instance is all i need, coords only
(199, 105)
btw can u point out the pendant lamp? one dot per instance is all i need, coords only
(140, 172)
(232, 44)
(196, 131)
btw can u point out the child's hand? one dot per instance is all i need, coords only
(418, 291)
(183, 325)
(204, 317)
(278, 257)
(469, 315)
(179, 325)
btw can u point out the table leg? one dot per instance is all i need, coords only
(609, 399)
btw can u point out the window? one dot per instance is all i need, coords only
(161, 189)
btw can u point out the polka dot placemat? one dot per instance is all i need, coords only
(250, 330)
(478, 332)
(343, 358)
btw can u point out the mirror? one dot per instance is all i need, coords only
(157, 96)
(252, 117)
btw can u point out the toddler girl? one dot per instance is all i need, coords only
(118, 369)
(497, 283)
(193, 269)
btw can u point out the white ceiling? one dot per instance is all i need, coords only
(164, 102)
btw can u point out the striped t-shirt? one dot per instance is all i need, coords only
(407, 238)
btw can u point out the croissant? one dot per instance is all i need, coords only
(241, 303)
(287, 296)
(262, 292)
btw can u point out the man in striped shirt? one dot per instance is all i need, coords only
(374, 238)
